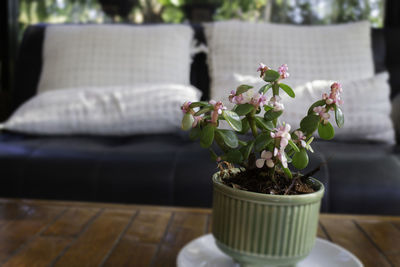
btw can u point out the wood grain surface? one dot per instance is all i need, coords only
(56, 233)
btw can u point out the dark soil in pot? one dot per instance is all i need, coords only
(256, 181)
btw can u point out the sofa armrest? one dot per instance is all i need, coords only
(395, 115)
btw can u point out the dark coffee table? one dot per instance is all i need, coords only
(55, 233)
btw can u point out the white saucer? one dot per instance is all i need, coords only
(202, 252)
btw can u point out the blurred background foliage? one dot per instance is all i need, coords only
(177, 11)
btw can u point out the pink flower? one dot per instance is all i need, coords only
(266, 157)
(254, 98)
(322, 112)
(262, 100)
(283, 134)
(274, 102)
(262, 68)
(197, 119)
(336, 87)
(218, 107)
(236, 99)
(258, 100)
(280, 155)
(283, 71)
(185, 107)
(325, 96)
(301, 138)
(334, 96)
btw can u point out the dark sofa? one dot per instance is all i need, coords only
(171, 170)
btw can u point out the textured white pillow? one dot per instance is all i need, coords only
(341, 52)
(108, 55)
(366, 108)
(366, 105)
(104, 110)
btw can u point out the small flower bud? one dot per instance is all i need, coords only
(262, 68)
(283, 71)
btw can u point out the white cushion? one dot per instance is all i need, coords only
(336, 52)
(366, 107)
(114, 110)
(108, 55)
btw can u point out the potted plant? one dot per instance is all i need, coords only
(264, 214)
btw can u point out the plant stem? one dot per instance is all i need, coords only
(252, 123)
(275, 122)
(275, 92)
(253, 127)
(275, 89)
(291, 185)
(273, 175)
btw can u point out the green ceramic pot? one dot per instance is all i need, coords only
(265, 230)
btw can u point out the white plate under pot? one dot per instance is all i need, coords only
(202, 252)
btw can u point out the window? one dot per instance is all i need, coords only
(175, 11)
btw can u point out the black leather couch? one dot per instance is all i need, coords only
(171, 170)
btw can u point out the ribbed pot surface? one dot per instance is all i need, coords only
(264, 230)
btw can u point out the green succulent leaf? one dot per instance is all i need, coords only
(205, 109)
(309, 124)
(287, 172)
(242, 89)
(195, 133)
(316, 104)
(271, 76)
(289, 159)
(243, 109)
(242, 143)
(326, 131)
(233, 119)
(246, 150)
(288, 90)
(300, 159)
(245, 126)
(234, 156)
(221, 143)
(310, 140)
(187, 121)
(308, 146)
(229, 137)
(198, 104)
(271, 115)
(267, 108)
(293, 146)
(263, 124)
(262, 140)
(339, 117)
(207, 136)
(265, 88)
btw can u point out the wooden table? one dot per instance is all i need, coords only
(53, 233)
